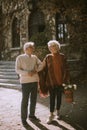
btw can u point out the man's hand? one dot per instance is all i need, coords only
(32, 73)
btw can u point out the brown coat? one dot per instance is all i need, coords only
(55, 72)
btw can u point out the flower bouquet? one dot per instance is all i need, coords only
(68, 91)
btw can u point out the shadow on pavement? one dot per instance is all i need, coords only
(39, 125)
(62, 124)
(55, 123)
(29, 128)
(70, 123)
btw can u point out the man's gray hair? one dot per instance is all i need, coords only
(28, 44)
(53, 43)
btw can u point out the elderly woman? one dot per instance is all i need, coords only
(56, 73)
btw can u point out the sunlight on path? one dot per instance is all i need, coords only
(10, 101)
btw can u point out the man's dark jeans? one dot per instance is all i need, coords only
(29, 95)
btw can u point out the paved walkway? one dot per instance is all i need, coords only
(73, 114)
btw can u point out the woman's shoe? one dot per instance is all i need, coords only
(50, 119)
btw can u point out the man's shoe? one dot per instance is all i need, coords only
(34, 118)
(26, 125)
(50, 119)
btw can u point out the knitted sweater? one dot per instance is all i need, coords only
(25, 64)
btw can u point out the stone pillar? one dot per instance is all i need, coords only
(24, 28)
(50, 20)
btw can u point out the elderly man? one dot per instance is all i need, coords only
(27, 65)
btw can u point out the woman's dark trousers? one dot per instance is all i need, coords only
(55, 95)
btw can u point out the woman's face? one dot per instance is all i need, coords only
(53, 49)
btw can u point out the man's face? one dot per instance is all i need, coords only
(30, 50)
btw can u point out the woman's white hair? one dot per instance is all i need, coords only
(28, 44)
(53, 43)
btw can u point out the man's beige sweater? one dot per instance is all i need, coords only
(25, 64)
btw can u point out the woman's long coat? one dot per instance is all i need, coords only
(54, 73)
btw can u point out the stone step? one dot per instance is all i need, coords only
(7, 66)
(12, 86)
(8, 73)
(7, 62)
(14, 81)
(9, 76)
(7, 70)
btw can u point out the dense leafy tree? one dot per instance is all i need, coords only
(76, 13)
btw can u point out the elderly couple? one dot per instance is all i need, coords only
(29, 68)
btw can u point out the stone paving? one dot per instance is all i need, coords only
(74, 115)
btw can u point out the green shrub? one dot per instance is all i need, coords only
(41, 51)
(40, 39)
